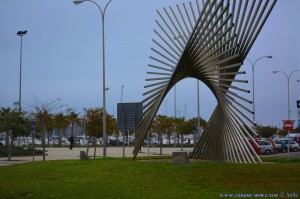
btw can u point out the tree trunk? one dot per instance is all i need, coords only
(118, 138)
(95, 146)
(160, 143)
(181, 142)
(7, 139)
(10, 148)
(44, 141)
(73, 129)
(88, 146)
(48, 138)
(59, 137)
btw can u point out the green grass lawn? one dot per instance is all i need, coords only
(125, 178)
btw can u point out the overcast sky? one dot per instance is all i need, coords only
(62, 57)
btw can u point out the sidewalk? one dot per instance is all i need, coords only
(67, 154)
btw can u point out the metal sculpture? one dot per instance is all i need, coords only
(208, 41)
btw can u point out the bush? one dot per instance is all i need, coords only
(19, 151)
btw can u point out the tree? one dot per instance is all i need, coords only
(203, 122)
(61, 122)
(94, 123)
(177, 122)
(73, 119)
(15, 124)
(266, 131)
(42, 113)
(162, 125)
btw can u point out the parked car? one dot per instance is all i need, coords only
(280, 146)
(152, 142)
(113, 142)
(294, 137)
(292, 145)
(254, 146)
(265, 147)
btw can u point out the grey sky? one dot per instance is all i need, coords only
(62, 57)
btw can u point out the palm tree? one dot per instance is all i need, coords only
(73, 119)
(161, 124)
(177, 122)
(61, 122)
(42, 114)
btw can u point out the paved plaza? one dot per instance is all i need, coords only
(67, 154)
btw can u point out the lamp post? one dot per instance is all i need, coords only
(21, 34)
(198, 112)
(122, 93)
(289, 112)
(253, 65)
(77, 2)
(288, 81)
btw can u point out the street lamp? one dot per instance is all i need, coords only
(288, 80)
(198, 112)
(289, 112)
(253, 65)
(77, 2)
(21, 34)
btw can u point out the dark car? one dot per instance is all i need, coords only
(280, 146)
(113, 142)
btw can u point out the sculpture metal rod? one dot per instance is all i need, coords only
(228, 73)
(245, 41)
(228, 93)
(246, 24)
(183, 19)
(232, 100)
(174, 57)
(193, 12)
(195, 35)
(152, 90)
(179, 35)
(169, 37)
(202, 52)
(246, 51)
(223, 67)
(176, 52)
(188, 15)
(164, 56)
(155, 79)
(162, 62)
(200, 40)
(241, 125)
(234, 87)
(161, 68)
(147, 99)
(155, 84)
(180, 26)
(158, 73)
(170, 29)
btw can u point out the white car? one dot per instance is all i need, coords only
(294, 146)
